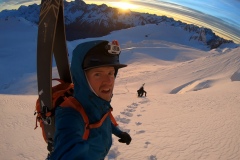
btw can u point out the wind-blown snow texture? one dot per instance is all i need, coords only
(191, 110)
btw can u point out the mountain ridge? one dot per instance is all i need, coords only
(90, 20)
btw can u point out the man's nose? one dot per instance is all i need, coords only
(108, 79)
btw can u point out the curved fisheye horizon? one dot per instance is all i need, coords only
(222, 16)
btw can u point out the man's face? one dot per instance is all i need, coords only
(102, 80)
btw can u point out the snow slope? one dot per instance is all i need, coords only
(191, 111)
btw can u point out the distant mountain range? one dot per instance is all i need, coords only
(89, 20)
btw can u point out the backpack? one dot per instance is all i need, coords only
(62, 95)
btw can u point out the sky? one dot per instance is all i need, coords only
(191, 110)
(222, 16)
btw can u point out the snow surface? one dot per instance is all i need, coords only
(191, 111)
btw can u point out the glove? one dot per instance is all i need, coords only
(125, 138)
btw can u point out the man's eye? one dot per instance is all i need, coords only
(111, 73)
(97, 74)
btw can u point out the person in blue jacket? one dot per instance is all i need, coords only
(94, 67)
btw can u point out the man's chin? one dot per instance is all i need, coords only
(106, 98)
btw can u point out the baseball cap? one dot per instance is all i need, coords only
(103, 54)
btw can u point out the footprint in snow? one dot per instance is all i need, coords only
(138, 123)
(152, 157)
(123, 120)
(132, 106)
(113, 153)
(144, 101)
(146, 144)
(127, 114)
(130, 110)
(140, 132)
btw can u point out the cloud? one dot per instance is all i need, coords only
(224, 27)
(13, 4)
(22, 2)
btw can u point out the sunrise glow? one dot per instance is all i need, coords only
(123, 5)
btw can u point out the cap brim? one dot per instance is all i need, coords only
(110, 65)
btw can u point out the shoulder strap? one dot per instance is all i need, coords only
(73, 103)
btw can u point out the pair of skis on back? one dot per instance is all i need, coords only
(51, 41)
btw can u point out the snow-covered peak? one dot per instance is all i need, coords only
(90, 20)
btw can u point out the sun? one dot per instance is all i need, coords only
(123, 5)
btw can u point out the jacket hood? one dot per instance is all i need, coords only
(82, 90)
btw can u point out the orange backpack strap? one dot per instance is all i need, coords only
(73, 103)
(113, 119)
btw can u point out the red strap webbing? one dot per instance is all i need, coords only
(72, 102)
(113, 119)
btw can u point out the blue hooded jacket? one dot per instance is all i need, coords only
(68, 142)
